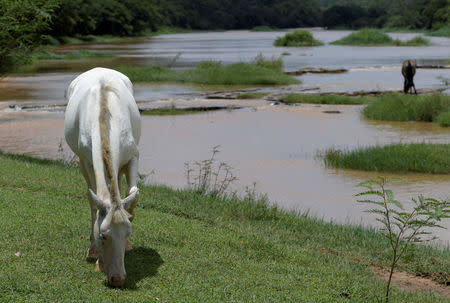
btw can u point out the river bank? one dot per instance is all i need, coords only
(186, 244)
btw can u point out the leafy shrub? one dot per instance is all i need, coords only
(21, 26)
(297, 38)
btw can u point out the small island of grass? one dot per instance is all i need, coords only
(396, 107)
(396, 158)
(212, 73)
(297, 38)
(375, 37)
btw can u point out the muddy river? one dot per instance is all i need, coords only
(274, 146)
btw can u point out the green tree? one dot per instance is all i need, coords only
(22, 23)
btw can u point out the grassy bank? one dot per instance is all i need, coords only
(322, 99)
(420, 158)
(375, 37)
(298, 37)
(79, 55)
(442, 32)
(396, 107)
(187, 247)
(211, 73)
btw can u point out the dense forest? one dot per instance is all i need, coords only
(26, 23)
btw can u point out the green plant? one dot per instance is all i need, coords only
(402, 227)
(205, 178)
(397, 158)
(443, 119)
(274, 63)
(297, 38)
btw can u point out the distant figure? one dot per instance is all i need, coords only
(408, 72)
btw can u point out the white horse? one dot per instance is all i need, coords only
(102, 127)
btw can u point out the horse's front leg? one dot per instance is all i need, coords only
(88, 174)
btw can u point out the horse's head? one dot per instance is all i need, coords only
(111, 231)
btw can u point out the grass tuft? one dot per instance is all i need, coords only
(398, 107)
(297, 38)
(376, 37)
(397, 158)
(322, 99)
(443, 119)
(211, 73)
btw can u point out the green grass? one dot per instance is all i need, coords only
(297, 38)
(416, 41)
(211, 73)
(322, 99)
(442, 32)
(187, 248)
(50, 40)
(376, 37)
(443, 119)
(397, 158)
(396, 107)
(265, 28)
(251, 95)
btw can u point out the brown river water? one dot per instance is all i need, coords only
(274, 146)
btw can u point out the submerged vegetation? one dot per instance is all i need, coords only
(298, 37)
(211, 73)
(396, 107)
(185, 243)
(376, 37)
(322, 99)
(396, 158)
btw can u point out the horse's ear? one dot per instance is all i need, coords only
(99, 204)
(130, 201)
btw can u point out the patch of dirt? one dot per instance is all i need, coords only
(410, 282)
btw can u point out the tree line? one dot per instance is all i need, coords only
(25, 23)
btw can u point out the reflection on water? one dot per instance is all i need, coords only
(272, 146)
